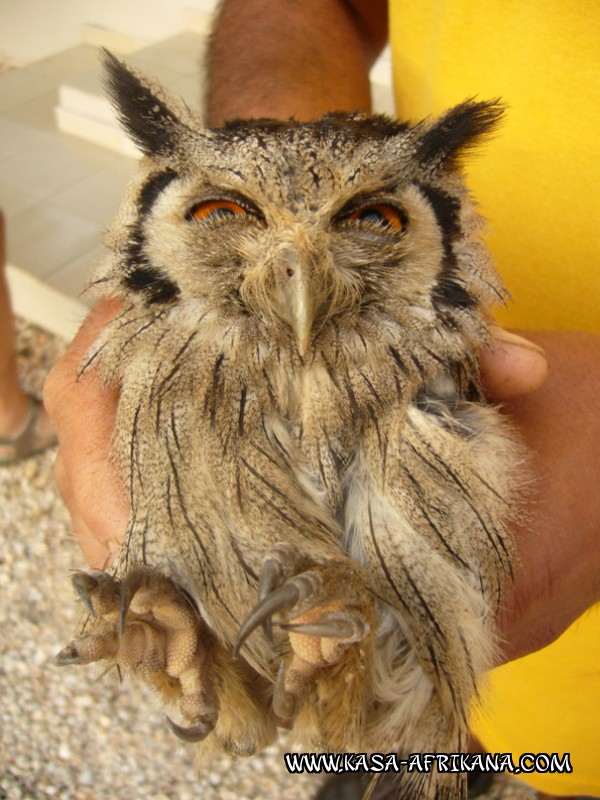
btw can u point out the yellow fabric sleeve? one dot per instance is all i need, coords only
(549, 702)
(538, 181)
(538, 184)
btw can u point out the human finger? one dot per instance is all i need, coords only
(511, 365)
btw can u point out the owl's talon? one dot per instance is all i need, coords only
(192, 734)
(84, 583)
(138, 577)
(278, 565)
(267, 627)
(148, 624)
(335, 628)
(317, 629)
(270, 578)
(68, 656)
(281, 600)
(325, 609)
(285, 704)
(97, 591)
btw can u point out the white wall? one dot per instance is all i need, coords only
(33, 29)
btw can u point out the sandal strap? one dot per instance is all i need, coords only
(30, 441)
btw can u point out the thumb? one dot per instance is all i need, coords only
(511, 366)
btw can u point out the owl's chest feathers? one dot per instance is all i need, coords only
(183, 388)
(215, 430)
(302, 408)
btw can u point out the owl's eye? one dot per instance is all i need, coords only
(217, 209)
(381, 215)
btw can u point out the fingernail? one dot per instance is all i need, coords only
(506, 337)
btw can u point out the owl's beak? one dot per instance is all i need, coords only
(299, 301)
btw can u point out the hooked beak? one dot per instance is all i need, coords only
(298, 300)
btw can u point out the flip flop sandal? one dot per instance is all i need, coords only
(29, 442)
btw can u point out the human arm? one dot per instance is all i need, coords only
(281, 58)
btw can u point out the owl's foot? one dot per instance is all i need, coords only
(146, 624)
(324, 608)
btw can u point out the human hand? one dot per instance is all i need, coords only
(84, 413)
(558, 538)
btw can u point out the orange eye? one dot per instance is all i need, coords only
(217, 209)
(381, 215)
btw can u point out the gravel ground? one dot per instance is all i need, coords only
(63, 732)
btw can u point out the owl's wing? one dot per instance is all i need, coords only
(426, 510)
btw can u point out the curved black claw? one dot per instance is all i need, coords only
(67, 656)
(84, 584)
(129, 586)
(334, 630)
(270, 576)
(195, 733)
(285, 705)
(334, 625)
(281, 600)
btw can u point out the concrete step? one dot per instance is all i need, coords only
(57, 193)
(84, 111)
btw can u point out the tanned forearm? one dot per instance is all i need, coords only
(293, 58)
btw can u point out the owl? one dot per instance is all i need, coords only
(320, 496)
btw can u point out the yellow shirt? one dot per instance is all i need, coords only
(538, 181)
(538, 184)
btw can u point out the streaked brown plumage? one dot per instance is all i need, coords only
(302, 430)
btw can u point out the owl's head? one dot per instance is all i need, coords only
(291, 226)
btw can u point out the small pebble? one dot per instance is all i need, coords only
(64, 753)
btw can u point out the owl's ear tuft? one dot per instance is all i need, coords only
(458, 131)
(153, 126)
